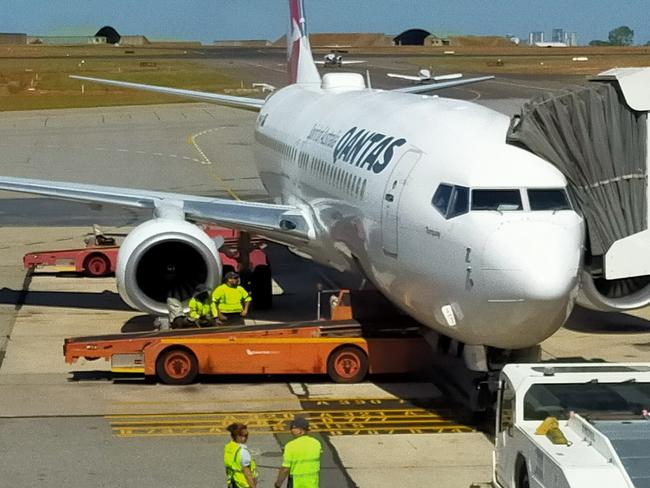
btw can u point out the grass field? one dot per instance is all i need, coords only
(36, 77)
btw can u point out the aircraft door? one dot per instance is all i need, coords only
(392, 195)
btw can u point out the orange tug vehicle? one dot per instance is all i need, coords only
(344, 348)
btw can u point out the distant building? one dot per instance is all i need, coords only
(571, 38)
(557, 35)
(133, 41)
(550, 44)
(535, 37)
(66, 40)
(13, 38)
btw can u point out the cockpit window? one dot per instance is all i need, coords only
(450, 200)
(441, 198)
(548, 200)
(459, 202)
(501, 200)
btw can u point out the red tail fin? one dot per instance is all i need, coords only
(299, 59)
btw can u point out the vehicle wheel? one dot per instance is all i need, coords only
(347, 364)
(262, 287)
(177, 367)
(97, 265)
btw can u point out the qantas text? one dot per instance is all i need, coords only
(366, 149)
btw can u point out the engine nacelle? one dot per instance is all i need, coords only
(616, 295)
(164, 258)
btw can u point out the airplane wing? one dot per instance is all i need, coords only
(282, 223)
(239, 102)
(404, 77)
(440, 86)
(351, 61)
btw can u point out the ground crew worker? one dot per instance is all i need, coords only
(232, 300)
(241, 471)
(203, 311)
(301, 458)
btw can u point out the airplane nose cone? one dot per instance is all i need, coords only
(536, 261)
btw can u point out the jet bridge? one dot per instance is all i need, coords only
(597, 135)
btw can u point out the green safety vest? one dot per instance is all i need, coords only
(234, 469)
(302, 458)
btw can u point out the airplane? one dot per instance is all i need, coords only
(333, 59)
(475, 238)
(424, 75)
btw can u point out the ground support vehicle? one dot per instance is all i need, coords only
(239, 252)
(602, 434)
(344, 349)
(97, 258)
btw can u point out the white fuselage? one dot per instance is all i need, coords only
(366, 165)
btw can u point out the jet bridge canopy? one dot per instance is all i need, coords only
(600, 144)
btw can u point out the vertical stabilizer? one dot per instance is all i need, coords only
(300, 62)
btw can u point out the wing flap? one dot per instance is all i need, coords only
(239, 102)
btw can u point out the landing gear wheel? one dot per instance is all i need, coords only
(177, 367)
(347, 364)
(262, 287)
(97, 265)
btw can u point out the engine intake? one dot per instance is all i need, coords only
(165, 258)
(613, 295)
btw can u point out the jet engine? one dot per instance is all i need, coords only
(617, 295)
(164, 258)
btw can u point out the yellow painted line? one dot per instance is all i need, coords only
(192, 141)
(124, 369)
(332, 422)
(234, 340)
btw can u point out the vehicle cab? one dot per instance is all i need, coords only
(601, 433)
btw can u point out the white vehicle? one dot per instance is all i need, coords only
(425, 75)
(334, 59)
(603, 438)
(475, 238)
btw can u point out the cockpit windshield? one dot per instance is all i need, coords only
(548, 199)
(592, 400)
(501, 200)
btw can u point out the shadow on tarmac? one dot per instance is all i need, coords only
(593, 322)
(105, 300)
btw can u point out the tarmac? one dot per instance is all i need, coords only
(60, 423)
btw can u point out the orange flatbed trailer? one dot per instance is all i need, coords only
(344, 349)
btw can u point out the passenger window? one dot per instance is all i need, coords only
(459, 202)
(441, 198)
(548, 200)
(501, 200)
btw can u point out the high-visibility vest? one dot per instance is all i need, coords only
(198, 309)
(230, 299)
(232, 462)
(302, 458)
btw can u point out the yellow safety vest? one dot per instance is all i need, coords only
(302, 458)
(229, 299)
(199, 309)
(232, 462)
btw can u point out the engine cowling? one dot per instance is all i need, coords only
(164, 258)
(598, 293)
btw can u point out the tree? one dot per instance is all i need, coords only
(596, 42)
(621, 36)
